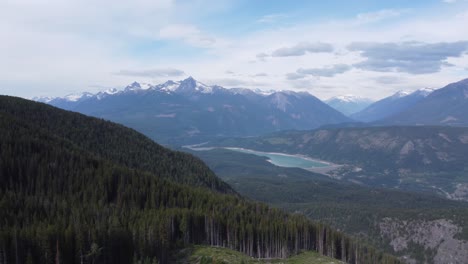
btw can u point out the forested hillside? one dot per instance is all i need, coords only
(73, 190)
(112, 142)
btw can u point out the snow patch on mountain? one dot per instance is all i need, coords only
(400, 94)
(421, 92)
(424, 91)
(348, 98)
(78, 97)
(43, 99)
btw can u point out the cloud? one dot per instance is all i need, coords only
(272, 18)
(169, 72)
(232, 82)
(260, 74)
(449, 1)
(262, 56)
(388, 79)
(295, 76)
(330, 71)
(303, 84)
(302, 48)
(188, 33)
(380, 15)
(409, 57)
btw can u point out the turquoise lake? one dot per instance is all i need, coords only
(285, 160)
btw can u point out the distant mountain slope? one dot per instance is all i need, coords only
(445, 106)
(415, 158)
(391, 105)
(62, 200)
(191, 112)
(348, 104)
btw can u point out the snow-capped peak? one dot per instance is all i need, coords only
(400, 94)
(136, 86)
(190, 85)
(169, 86)
(420, 92)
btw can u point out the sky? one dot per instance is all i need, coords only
(367, 48)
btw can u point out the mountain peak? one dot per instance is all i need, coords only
(190, 79)
(190, 86)
(133, 86)
(187, 86)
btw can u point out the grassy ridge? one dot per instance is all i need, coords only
(212, 255)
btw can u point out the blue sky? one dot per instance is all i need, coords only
(365, 47)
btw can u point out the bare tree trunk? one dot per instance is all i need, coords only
(57, 255)
(16, 247)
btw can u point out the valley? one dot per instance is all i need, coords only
(367, 213)
(375, 181)
(407, 158)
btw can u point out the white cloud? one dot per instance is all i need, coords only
(302, 48)
(262, 56)
(152, 73)
(60, 47)
(410, 57)
(328, 71)
(188, 33)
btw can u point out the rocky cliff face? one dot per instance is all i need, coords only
(434, 241)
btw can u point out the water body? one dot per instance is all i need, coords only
(286, 160)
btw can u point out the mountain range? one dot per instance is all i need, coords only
(445, 106)
(189, 111)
